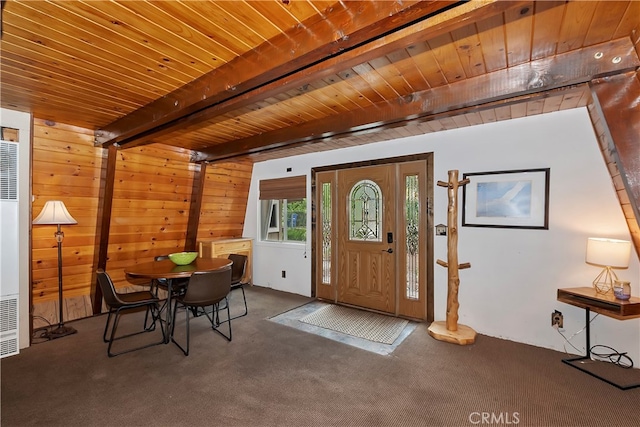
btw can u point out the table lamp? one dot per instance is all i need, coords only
(610, 254)
(55, 212)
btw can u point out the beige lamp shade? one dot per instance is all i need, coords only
(54, 212)
(608, 252)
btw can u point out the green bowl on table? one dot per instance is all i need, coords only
(183, 258)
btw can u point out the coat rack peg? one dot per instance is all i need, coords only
(450, 330)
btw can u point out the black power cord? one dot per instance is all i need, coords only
(41, 334)
(613, 356)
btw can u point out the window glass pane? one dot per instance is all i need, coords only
(325, 208)
(365, 211)
(412, 219)
(283, 220)
(296, 219)
(273, 217)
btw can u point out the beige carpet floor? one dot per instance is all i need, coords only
(275, 375)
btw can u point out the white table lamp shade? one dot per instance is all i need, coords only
(608, 252)
(54, 212)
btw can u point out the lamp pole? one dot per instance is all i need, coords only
(61, 330)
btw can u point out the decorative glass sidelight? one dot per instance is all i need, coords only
(325, 209)
(365, 211)
(412, 220)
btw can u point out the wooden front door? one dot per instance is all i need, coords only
(366, 230)
(372, 241)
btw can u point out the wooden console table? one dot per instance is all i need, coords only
(607, 305)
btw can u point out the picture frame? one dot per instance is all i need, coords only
(507, 199)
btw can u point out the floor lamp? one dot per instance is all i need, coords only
(55, 212)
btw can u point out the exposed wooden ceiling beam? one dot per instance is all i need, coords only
(576, 95)
(287, 53)
(567, 69)
(197, 189)
(103, 225)
(404, 38)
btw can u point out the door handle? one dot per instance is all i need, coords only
(390, 250)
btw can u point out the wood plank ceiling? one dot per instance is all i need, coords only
(275, 78)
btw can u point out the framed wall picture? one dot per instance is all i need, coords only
(507, 199)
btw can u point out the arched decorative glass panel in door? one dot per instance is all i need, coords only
(365, 211)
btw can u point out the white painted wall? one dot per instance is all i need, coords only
(19, 250)
(510, 290)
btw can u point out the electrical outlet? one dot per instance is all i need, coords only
(557, 319)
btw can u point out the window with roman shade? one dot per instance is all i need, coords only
(283, 209)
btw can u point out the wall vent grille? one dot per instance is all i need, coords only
(8, 315)
(8, 326)
(8, 170)
(9, 347)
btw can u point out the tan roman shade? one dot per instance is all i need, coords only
(293, 187)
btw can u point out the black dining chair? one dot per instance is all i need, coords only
(118, 303)
(178, 286)
(238, 271)
(205, 289)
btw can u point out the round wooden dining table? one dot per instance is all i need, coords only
(166, 269)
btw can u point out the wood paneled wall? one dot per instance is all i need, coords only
(65, 166)
(150, 211)
(224, 199)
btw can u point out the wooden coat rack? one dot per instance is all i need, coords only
(450, 330)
